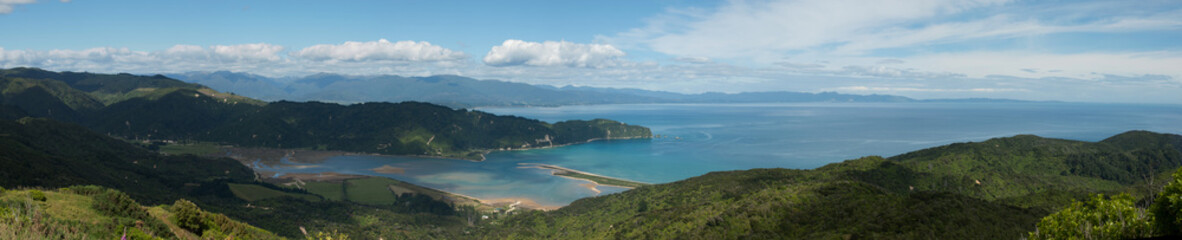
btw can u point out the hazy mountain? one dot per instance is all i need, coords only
(449, 90)
(457, 91)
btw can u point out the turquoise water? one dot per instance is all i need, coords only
(716, 137)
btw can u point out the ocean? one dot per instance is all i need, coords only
(701, 138)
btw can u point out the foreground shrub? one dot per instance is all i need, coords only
(37, 195)
(1167, 208)
(1098, 218)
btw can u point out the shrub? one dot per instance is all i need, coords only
(1098, 218)
(87, 190)
(186, 215)
(37, 195)
(1167, 208)
(334, 235)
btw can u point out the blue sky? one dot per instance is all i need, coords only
(1094, 51)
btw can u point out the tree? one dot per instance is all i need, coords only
(186, 215)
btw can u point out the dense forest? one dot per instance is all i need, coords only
(160, 108)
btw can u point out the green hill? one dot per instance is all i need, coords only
(160, 108)
(930, 194)
(93, 212)
(45, 153)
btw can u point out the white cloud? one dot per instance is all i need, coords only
(768, 31)
(381, 50)
(1079, 65)
(549, 53)
(247, 52)
(176, 58)
(409, 58)
(693, 59)
(749, 28)
(6, 6)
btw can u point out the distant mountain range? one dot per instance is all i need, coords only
(464, 92)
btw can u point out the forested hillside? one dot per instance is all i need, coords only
(996, 189)
(160, 108)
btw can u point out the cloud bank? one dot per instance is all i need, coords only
(381, 50)
(549, 53)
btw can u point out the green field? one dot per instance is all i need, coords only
(374, 190)
(199, 149)
(251, 192)
(328, 190)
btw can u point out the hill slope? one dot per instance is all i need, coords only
(996, 189)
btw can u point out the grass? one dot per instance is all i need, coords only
(251, 192)
(379, 190)
(373, 190)
(72, 207)
(199, 149)
(328, 190)
(62, 206)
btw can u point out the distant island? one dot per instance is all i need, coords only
(464, 92)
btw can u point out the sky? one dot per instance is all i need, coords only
(1084, 51)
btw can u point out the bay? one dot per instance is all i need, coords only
(701, 138)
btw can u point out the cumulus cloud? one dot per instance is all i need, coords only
(6, 6)
(381, 50)
(549, 53)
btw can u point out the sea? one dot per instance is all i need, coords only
(700, 138)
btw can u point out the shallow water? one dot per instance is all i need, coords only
(716, 137)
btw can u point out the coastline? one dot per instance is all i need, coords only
(251, 157)
(274, 155)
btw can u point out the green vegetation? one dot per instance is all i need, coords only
(996, 189)
(97, 213)
(160, 108)
(1098, 218)
(188, 216)
(47, 153)
(372, 191)
(253, 192)
(1022, 186)
(197, 148)
(37, 195)
(329, 190)
(1167, 208)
